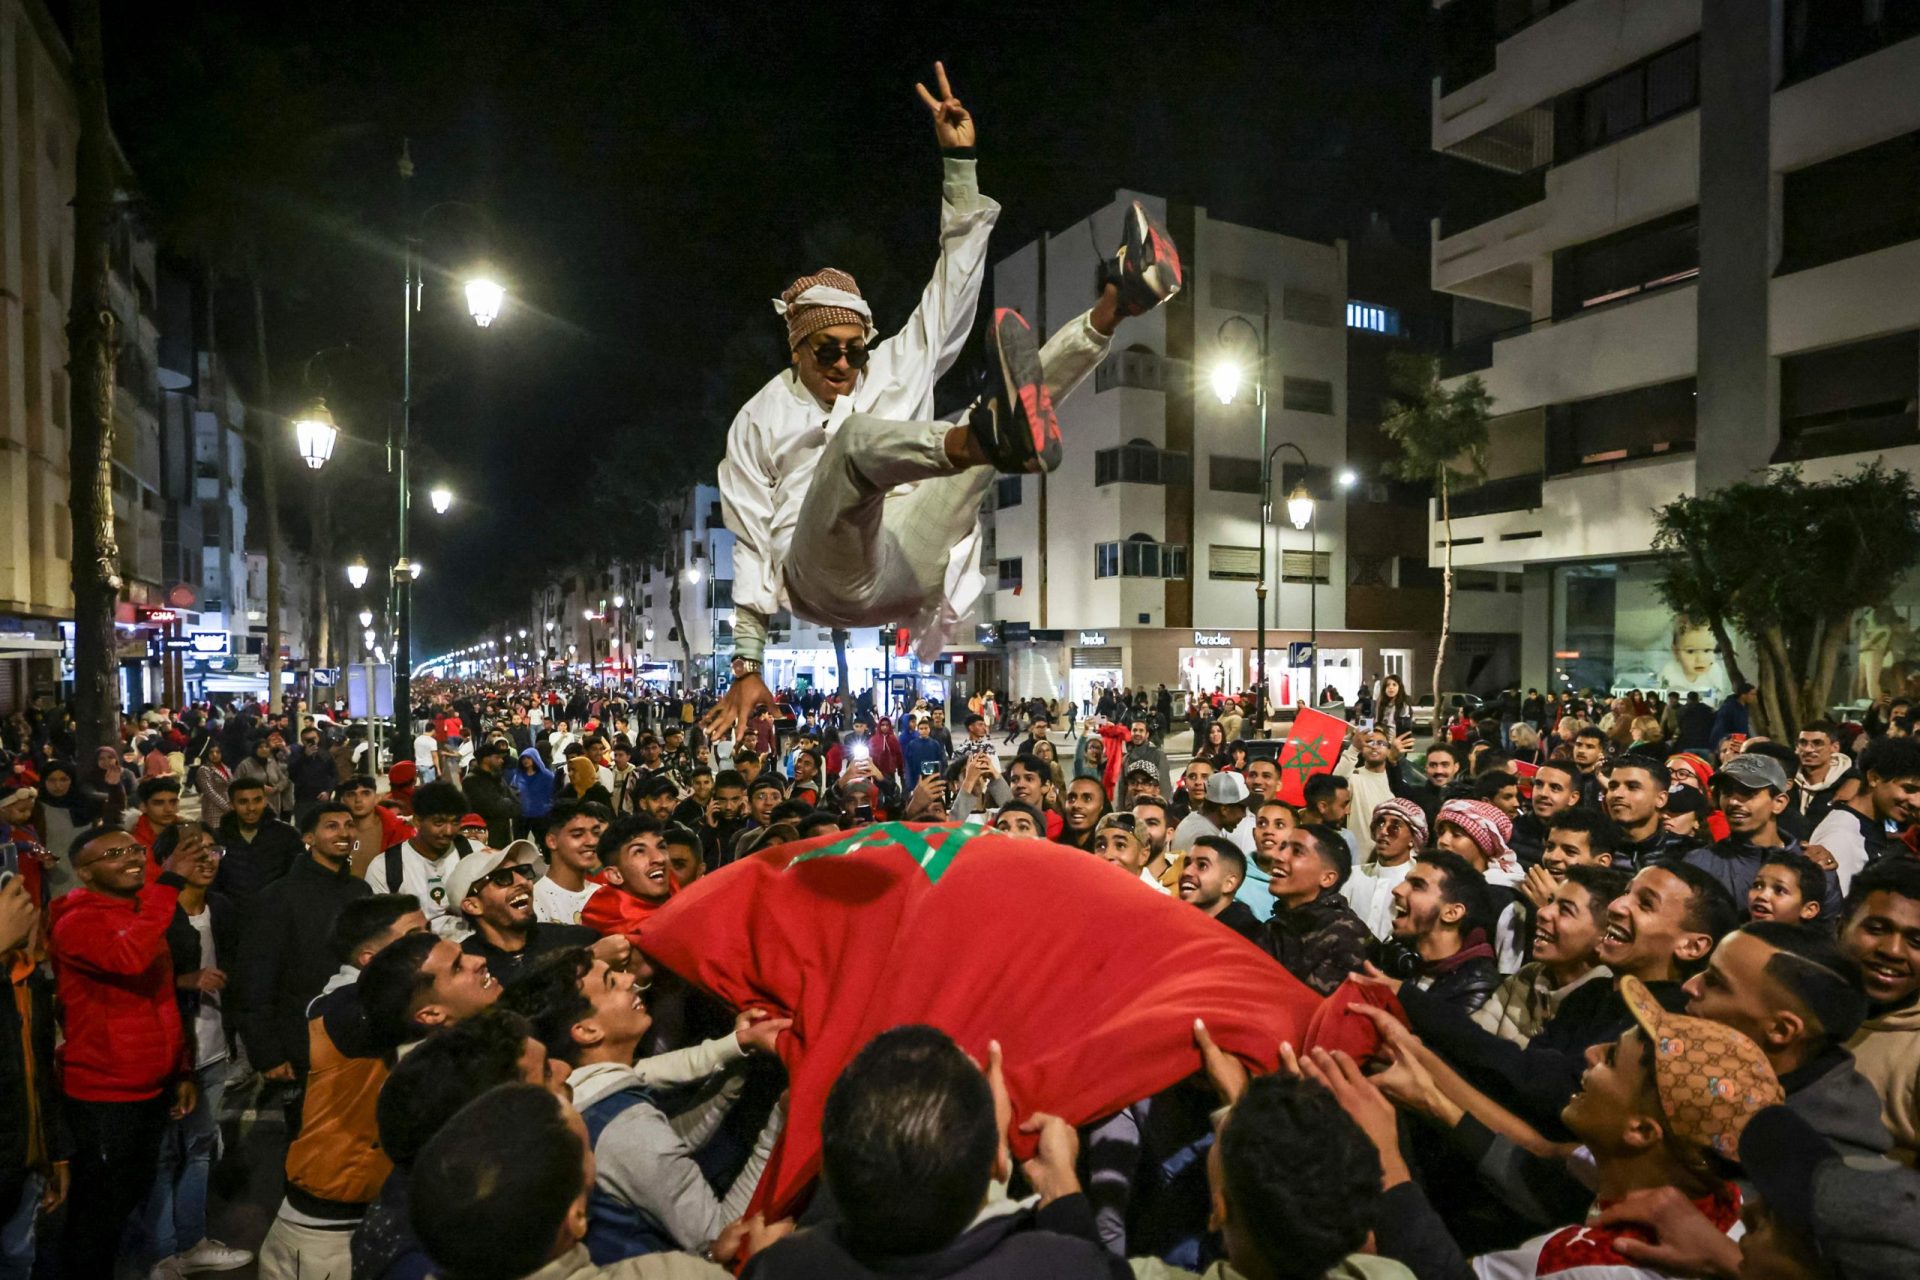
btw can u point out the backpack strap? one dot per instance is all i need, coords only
(391, 861)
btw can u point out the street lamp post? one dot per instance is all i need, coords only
(484, 297)
(1227, 377)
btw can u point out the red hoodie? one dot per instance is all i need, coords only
(114, 977)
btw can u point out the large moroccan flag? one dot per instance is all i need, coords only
(1088, 978)
(1312, 747)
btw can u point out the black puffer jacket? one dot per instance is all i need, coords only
(251, 865)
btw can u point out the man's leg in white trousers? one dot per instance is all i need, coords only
(862, 558)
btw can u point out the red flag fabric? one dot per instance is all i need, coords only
(1312, 747)
(1088, 978)
(1526, 773)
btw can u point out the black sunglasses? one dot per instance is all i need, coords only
(830, 353)
(505, 876)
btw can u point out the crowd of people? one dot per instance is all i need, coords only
(1640, 1012)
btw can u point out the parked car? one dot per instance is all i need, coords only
(1423, 709)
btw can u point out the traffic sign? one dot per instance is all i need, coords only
(1299, 653)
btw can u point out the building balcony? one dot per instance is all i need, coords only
(1496, 119)
(1640, 177)
(1597, 512)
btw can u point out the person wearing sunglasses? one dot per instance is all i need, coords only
(493, 892)
(814, 459)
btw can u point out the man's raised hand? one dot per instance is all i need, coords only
(747, 693)
(952, 125)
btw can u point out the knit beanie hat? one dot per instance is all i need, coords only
(826, 297)
(1486, 825)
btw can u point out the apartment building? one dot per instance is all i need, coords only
(39, 129)
(1711, 266)
(1137, 563)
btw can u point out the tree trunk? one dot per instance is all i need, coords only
(266, 436)
(1446, 604)
(322, 636)
(679, 623)
(840, 638)
(1826, 665)
(92, 345)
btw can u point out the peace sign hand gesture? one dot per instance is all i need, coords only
(952, 126)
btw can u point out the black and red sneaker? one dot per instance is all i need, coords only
(1015, 426)
(1146, 267)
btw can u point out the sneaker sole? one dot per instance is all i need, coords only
(1022, 376)
(1161, 277)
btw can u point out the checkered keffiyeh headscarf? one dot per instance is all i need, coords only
(826, 297)
(1484, 824)
(1408, 812)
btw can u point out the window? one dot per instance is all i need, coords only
(1237, 293)
(1135, 367)
(1374, 319)
(1139, 557)
(1646, 93)
(1138, 462)
(1865, 395)
(722, 593)
(1306, 306)
(1819, 35)
(1011, 575)
(1226, 474)
(1641, 423)
(1306, 395)
(1233, 564)
(1007, 492)
(1650, 256)
(1306, 566)
(1852, 204)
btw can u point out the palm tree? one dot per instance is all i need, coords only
(1442, 434)
(92, 344)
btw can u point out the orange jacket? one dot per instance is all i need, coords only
(337, 1160)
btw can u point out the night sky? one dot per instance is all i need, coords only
(654, 175)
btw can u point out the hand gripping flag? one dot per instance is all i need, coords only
(1088, 978)
(1311, 748)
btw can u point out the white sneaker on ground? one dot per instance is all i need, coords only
(210, 1255)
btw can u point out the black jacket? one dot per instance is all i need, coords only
(251, 865)
(1661, 846)
(1535, 1081)
(1051, 1243)
(542, 937)
(1465, 984)
(495, 801)
(1239, 917)
(313, 772)
(14, 1135)
(183, 943)
(285, 959)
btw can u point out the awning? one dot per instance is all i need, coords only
(16, 646)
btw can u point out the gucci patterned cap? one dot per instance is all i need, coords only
(1711, 1079)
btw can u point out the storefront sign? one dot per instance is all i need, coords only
(1212, 640)
(987, 633)
(209, 643)
(1094, 639)
(1016, 632)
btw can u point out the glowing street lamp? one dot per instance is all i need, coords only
(357, 573)
(315, 431)
(367, 635)
(1226, 379)
(1300, 506)
(484, 296)
(366, 617)
(693, 575)
(441, 497)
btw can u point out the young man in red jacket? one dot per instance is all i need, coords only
(125, 1067)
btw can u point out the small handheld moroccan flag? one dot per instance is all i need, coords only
(1311, 748)
(1090, 979)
